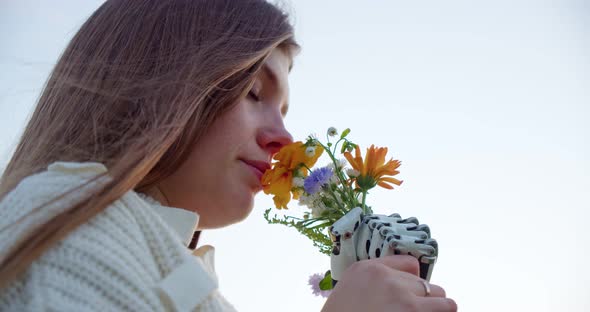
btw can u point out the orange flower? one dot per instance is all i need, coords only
(294, 154)
(374, 170)
(278, 181)
(290, 160)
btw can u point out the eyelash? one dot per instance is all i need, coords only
(254, 96)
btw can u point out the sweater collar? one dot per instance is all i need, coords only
(183, 222)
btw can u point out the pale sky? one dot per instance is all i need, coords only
(485, 102)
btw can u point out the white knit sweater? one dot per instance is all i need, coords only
(131, 257)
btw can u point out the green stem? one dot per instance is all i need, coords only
(306, 167)
(336, 145)
(363, 205)
(337, 202)
(338, 172)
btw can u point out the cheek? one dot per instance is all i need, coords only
(230, 131)
(211, 175)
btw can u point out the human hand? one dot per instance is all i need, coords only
(389, 283)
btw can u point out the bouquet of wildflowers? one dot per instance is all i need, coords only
(328, 192)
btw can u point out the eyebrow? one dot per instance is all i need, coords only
(272, 76)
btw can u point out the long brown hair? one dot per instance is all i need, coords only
(135, 88)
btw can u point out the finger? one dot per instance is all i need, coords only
(375, 244)
(421, 231)
(416, 286)
(434, 304)
(363, 235)
(435, 290)
(404, 263)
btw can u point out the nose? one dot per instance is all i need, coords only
(274, 137)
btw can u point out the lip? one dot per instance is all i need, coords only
(258, 167)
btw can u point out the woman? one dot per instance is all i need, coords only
(154, 105)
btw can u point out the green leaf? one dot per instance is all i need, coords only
(314, 233)
(329, 144)
(326, 282)
(345, 133)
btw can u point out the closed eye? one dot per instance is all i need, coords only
(254, 96)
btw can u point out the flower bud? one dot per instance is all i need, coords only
(297, 182)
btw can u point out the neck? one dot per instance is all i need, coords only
(156, 193)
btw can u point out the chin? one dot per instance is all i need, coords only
(227, 214)
(243, 210)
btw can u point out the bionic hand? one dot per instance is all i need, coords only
(358, 237)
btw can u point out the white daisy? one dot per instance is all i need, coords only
(352, 173)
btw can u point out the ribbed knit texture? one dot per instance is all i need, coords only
(114, 262)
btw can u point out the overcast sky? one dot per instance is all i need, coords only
(485, 102)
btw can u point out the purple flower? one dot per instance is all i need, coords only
(317, 179)
(314, 282)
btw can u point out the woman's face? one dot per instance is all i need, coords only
(222, 174)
